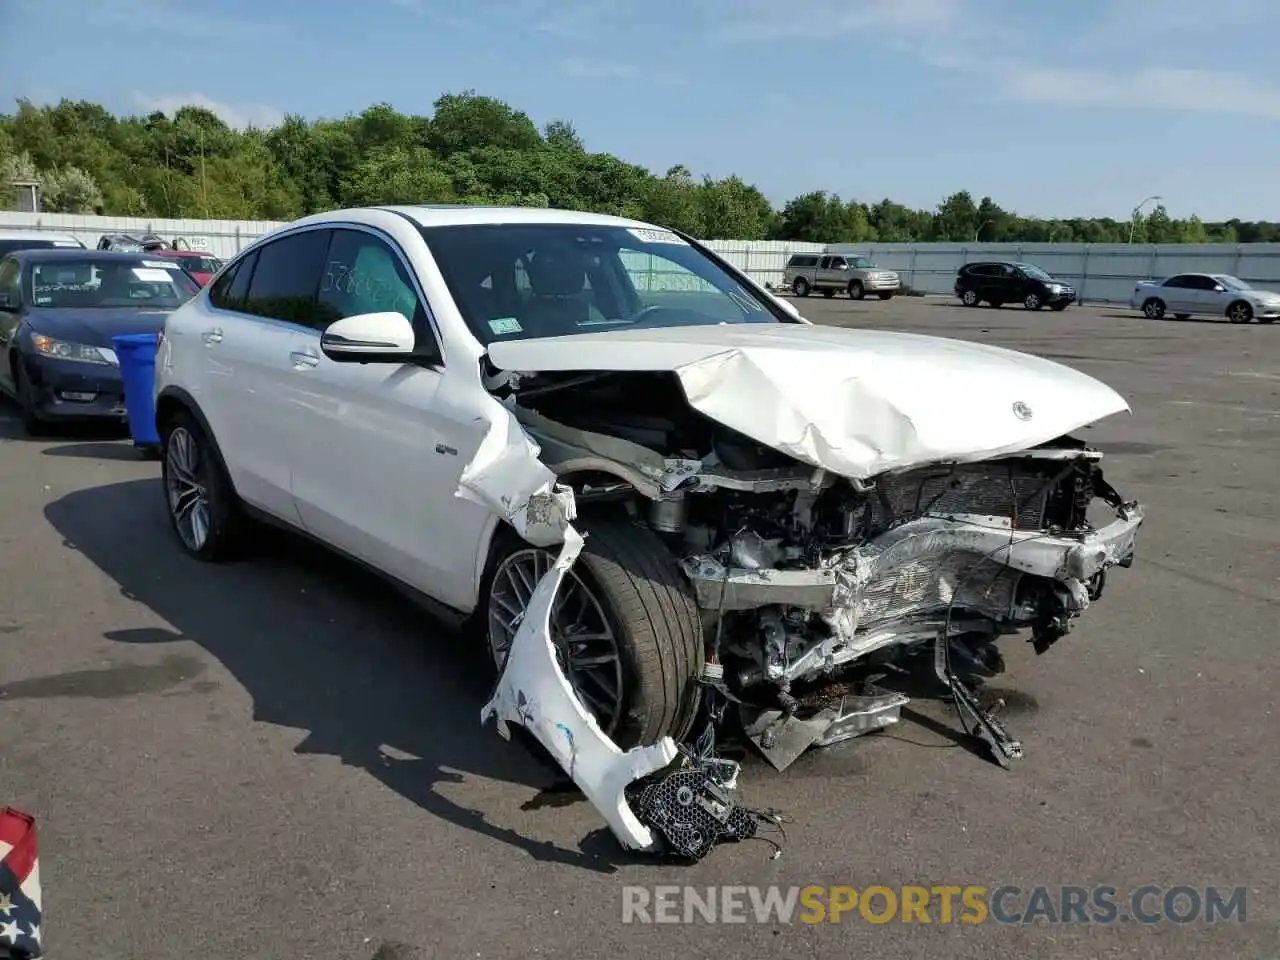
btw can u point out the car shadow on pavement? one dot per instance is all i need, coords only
(321, 645)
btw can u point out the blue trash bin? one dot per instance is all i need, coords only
(137, 353)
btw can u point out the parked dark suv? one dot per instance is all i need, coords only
(997, 283)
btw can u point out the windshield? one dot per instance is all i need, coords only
(98, 283)
(1232, 283)
(515, 282)
(1032, 271)
(862, 263)
(201, 264)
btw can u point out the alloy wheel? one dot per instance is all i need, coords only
(185, 483)
(586, 645)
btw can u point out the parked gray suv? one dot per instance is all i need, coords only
(856, 276)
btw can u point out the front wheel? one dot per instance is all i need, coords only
(969, 298)
(625, 626)
(1032, 301)
(1240, 312)
(202, 504)
(1153, 309)
(31, 421)
(855, 290)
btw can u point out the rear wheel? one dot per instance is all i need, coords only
(625, 625)
(800, 287)
(1153, 309)
(1240, 312)
(203, 507)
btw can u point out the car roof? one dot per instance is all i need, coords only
(460, 214)
(36, 235)
(64, 254)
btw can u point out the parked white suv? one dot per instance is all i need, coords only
(455, 395)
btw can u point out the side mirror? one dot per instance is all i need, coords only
(369, 338)
(790, 308)
(1219, 288)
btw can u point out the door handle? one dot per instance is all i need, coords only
(304, 359)
(212, 336)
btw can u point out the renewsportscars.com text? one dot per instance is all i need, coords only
(935, 904)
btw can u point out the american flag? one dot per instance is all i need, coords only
(20, 932)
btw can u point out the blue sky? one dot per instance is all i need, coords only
(1053, 108)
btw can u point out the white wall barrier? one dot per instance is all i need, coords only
(1100, 272)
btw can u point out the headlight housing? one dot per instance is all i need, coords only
(64, 350)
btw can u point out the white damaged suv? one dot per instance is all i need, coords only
(637, 476)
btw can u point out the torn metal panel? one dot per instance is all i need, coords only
(534, 692)
(532, 689)
(856, 402)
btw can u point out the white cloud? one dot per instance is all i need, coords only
(756, 21)
(1153, 88)
(615, 70)
(236, 116)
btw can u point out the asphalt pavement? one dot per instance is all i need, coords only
(283, 758)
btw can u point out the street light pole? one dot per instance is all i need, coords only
(1133, 217)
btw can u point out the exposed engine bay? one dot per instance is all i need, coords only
(802, 573)
(806, 578)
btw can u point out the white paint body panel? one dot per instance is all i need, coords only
(856, 402)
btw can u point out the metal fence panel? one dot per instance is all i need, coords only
(1100, 272)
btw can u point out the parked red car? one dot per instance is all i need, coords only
(200, 267)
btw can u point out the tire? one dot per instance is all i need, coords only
(856, 292)
(31, 421)
(1182, 316)
(225, 524)
(1240, 312)
(970, 298)
(829, 292)
(1032, 301)
(885, 296)
(1153, 308)
(800, 287)
(650, 608)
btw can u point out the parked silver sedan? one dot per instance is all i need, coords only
(1205, 294)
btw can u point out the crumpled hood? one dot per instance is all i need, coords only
(856, 402)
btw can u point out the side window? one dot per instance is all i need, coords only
(1179, 281)
(362, 274)
(10, 290)
(286, 278)
(1202, 283)
(824, 263)
(837, 263)
(230, 289)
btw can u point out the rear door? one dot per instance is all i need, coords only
(1177, 295)
(255, 363)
